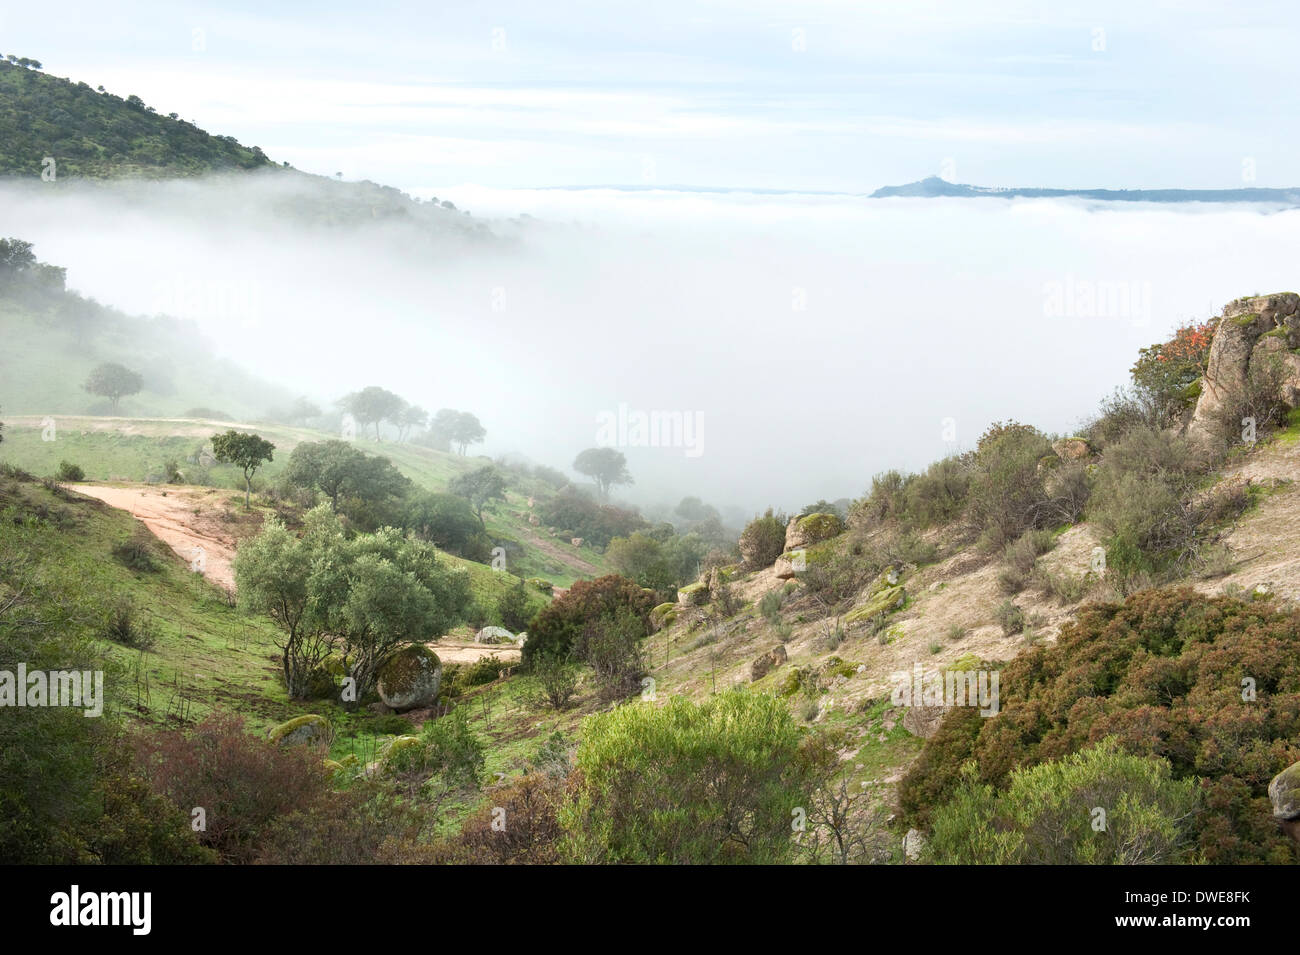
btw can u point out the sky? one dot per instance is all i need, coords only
(813, 95)
(806, 338)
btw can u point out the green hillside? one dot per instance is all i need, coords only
(95, 134)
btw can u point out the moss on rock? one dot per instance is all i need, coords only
(307, 729)
(411, 678)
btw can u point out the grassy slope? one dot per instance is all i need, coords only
(135, 449)
(42, 366)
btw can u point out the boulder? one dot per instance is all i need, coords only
(913, 845)
(411, 678)
(1244, 323)
(494, 635)
(1284, 791)
(1072, 449)
(762, 666)
(923, 721)
(663, 615)
(812, 529)
(307, 730)
(693, 595)
(576, 541)
(784, 568)
(885, 595)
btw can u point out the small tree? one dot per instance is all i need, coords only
(114, 382)
(605, 466)
(244, 450)
(479, 487)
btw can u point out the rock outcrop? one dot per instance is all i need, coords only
(764, 665)
(1253, 333)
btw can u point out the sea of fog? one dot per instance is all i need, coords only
(751, 349)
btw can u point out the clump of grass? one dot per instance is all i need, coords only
(136, 553)
(1010, 617)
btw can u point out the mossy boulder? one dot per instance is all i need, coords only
(1284, 792)
(306, 730)
(411, 678)
(404, 754)
(693, 595)
(812, 529)
(663, 615)
(879, 604)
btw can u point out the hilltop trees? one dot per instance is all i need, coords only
(455, 428)
(114, 382)
(371, 405)
(244, 450)
(606, 466)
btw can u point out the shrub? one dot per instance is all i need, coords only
(1167, 374)
(124, 624)
(1007, 495)
(769, 605)
(70, 472)
(1099, 806)
(244, 784)
(513, 608)
(137, 553)
(532, 834)
(555, 680)
(557, 626)
(938, 494)
(1010, 618)
(763, 540)
(1163, 673)
(686, 782)
(1144, 502)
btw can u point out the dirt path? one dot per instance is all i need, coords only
(188, 520)
(550, 549)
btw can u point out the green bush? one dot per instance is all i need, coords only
(557, 627)
(763, 540)
(1099, 806)
(1007, 494)
(70, 472)
(685, 782)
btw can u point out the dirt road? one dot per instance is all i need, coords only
(187, 519)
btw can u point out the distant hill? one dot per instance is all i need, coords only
(53, 337)
(94, 134)
(934, 187)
